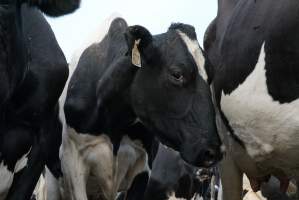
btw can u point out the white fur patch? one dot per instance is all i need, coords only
(22, 162)
(40, 191)
(89, 166)
(269, 130)
(196, 53)
(6, 178)
(250, 195)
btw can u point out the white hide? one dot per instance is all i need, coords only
(40, 191)
(81, 155)
(251, 195)
(47, 187)
(20, 164)
(269, 130)
(6, 176)
(197, 54)
(88, 162)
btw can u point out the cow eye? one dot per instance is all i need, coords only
(178, 76)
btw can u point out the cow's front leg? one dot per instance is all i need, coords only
(231, 178)
(25, 180)
(104, 168)
(74, 171)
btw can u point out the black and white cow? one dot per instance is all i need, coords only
(33, 71)
(253, 46)
(98, 164)
(169, 93)
(172, 178)
(107, 95)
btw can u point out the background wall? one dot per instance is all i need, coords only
(156, 15)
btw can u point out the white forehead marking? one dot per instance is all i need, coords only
(196, 53)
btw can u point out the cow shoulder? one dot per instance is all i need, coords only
(242, 41)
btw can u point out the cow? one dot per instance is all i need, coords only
(107, 96)
(159, 80)
(96, 165)
(33, 71)
(253, 50)
(172, 178)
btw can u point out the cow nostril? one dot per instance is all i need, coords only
(209, 155)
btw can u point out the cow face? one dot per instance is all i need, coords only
(170, 93)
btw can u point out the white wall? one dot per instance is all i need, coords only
(156, 15)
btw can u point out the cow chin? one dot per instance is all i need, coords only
(200, 156)
(201, 150)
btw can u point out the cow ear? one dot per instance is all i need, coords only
(209, 68)
(139, 39)
(209, 38)
(55, 8)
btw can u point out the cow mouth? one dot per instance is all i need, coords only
(204, 174)
(209, 164)
(205, 157)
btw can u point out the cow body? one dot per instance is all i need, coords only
(253, 47)
(33, 72)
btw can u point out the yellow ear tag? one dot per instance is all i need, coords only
(136, 59)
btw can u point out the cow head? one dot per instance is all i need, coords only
(171, 176)
(170, 92)
(55, 7)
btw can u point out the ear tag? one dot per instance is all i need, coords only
(136, 59)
